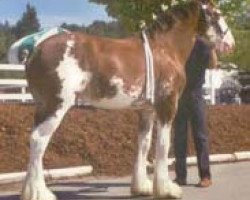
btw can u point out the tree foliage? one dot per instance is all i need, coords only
(6, 39)
(29, 22)
(110, 29)
(131, 12)
(237, 12)
(241, 54)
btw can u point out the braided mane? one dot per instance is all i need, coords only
(166, 20)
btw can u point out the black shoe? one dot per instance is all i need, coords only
(181, 181)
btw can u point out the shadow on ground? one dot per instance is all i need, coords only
(97, 191)
(10, 197)
(87, 191)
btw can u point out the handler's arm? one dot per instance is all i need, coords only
(213, 61)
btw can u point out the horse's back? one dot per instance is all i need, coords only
(89, 50)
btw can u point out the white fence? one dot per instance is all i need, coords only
(213, 81)
(7, 84)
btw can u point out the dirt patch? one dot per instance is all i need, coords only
(106, 139)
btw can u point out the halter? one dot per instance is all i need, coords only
(222, 33)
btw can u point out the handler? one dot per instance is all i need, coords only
(192, 109)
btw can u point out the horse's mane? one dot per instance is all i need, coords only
(166, 20)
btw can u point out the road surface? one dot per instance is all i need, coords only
(231, 181)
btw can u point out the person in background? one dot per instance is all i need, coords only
(192, 109)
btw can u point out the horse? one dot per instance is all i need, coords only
(111, 74)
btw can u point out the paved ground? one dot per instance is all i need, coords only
(231, 182)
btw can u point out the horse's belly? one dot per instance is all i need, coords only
(119, 101)
(113, 94)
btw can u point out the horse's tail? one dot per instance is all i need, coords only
(20, 51)
(14, 53)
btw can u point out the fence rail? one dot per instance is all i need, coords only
(212, 82)
(13, 82)
(7, 85)
(8, 67)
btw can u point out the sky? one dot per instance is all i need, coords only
(54, 12)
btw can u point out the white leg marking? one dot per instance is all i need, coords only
(34, 187)
(141, 184)
(163, 186)
(73, 79)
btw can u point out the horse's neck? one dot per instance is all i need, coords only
(183, 39)
(178, 43)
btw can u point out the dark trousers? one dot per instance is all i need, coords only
(191, 109)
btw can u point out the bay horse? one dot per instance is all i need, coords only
(110, 74)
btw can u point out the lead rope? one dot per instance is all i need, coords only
(150, 82)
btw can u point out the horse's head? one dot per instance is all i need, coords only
(211, 23)
(216, 28)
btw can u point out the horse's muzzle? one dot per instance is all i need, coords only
(225, 48)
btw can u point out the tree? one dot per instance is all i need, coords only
(28, 24)
(131, 12)
(233, 9)
(243, 20)
(72, 27)
(3, 47)
(241, 30)
(6, 39)
(110, 29)
(241, 54)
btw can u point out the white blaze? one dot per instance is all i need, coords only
(228, 37)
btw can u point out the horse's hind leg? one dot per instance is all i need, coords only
(47, 120)
(141, 184)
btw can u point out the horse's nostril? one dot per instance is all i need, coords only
(230, 48)
(227, 48)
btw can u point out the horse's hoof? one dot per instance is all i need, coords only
(143, 189)
(169, 190)
(31, 192)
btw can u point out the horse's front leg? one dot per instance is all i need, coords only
(163, 185)
(141, 184)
